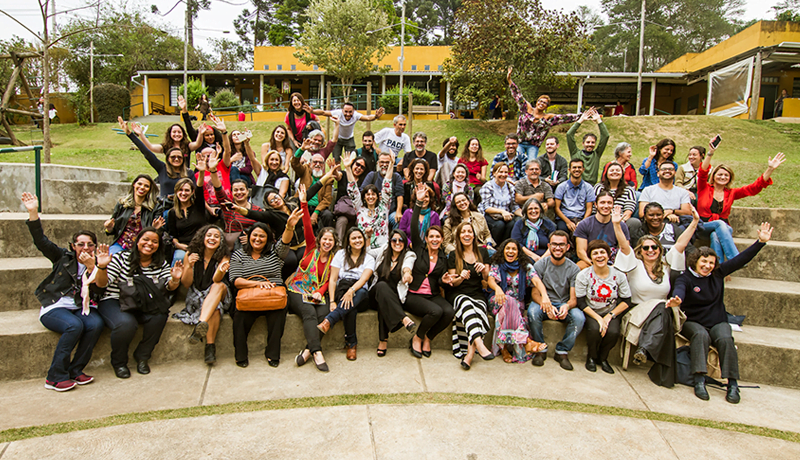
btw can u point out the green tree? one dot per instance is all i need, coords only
(491, 35)
(226, 54)
(672, 29)
(787, 10)
(335, 39)
(143, 46)
(438, 15)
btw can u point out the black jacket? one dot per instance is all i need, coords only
(121, 215)
(422, 265)
(63, 280)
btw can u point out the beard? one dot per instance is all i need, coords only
(317, 173)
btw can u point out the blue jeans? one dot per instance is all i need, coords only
(235, 174)
(75, 329)
(575, 319)
(721, 236)
(393, 223)
(530, 149)
(349, 316)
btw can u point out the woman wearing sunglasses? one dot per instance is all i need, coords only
(393, 269)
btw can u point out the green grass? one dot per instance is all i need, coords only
(746, 145)
(16, 434)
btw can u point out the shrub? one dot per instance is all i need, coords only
(389, 100)
(109, 101)
(224, 98)
(196, 89)
(79, 101)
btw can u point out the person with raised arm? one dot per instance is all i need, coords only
(592, 148)
(297, 117)
(663, 152)
(188, 212)
(347, 117)
(69, 300)
(280, 142)
(371, 205)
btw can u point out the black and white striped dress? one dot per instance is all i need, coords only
(119, 271)
(472, 311)
(268, 265)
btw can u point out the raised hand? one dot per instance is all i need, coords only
(510, 69)
(123, 125)
(201, 161)
(182, 103)
(137, 129)
(695, 214)
(177, 270)
(773, 163)
(109, 225)
(379, 113)
(596, 117)
(422, 191)
(87, 259)
(653, 151)
(301, 193)
(616, 214)
(347, 160)
(192, 259)
(306, 144)
(213, 161)
(30, 201)
(103, 256)
(218, 122)
(765, 232)
(294, 218)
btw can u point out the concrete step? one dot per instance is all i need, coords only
(766, 303)
(18, 280)
(16, 241)
(767, 355)
(745, 222)
(778, 260)
(65, 172)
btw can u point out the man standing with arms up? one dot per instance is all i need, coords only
(347, 118)
(592, 148)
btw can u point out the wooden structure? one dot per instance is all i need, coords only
(17, 59)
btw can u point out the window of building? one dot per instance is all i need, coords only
(280, 67)
(692, 103)
(440, 68)
(266, 66)
(427, 67)
(174, 83)
(414, 67)
(294, 67)
(795, 86)
(316, 67)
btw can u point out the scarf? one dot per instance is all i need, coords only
(426, 220)
(86, 280)
(505, 268)
(459, 186)
(308, 280)
(532, 242)
(272, 176)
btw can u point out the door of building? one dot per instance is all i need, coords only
(769, 93)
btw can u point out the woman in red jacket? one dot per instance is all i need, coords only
(715, 198)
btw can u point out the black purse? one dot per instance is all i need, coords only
(141, 293)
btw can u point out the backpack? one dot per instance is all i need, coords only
(140, 293)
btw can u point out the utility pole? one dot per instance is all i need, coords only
(641, 58)
(402, 54)
(186, 55)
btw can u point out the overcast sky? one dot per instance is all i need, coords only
(222, 13)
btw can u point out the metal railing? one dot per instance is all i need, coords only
(37, 149)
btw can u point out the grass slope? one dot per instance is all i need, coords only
(745, 146)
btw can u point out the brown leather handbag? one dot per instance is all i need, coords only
(258, 299)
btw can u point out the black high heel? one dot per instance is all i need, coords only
(414, 352)
(464, 365)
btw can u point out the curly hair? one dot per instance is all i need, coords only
(198, 243)
(499, 257)
(454, 215)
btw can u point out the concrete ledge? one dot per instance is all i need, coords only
(745, 222)
(16, 240)
(766, 303)
(778, 260)
(18, 281)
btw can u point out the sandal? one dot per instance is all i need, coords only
(507, 356)
(381, 352)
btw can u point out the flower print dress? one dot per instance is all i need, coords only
(378, 219)
(510, 325)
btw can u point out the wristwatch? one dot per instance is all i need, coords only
(613, 315)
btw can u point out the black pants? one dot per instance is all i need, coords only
(291, 261)
(500, 229)
(599, 346)
(436, 312)
(390, 310)
(123, 327)
(311, 314)
(721, 337)
(242, 323)
(349, 145)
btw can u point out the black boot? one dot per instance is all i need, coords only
(211, 353)
(700, 387)
(733, 392)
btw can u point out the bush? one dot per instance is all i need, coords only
(389, 100)
(224, 98)
(79, 101)
(109, 101)
(196, 89)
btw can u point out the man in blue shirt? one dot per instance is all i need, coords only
(516, 161)
(574, 198)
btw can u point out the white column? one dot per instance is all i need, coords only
(383, 84)
(146, 97)
(321, 88)
(447, 102)
(261, 89)
(203, 79)
(581, 82)
(653, 97)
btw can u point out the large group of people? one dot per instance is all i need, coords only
(433, 242)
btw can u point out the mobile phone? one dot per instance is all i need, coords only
(228, 205)
(715, 142)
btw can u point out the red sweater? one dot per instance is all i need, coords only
(705, 195)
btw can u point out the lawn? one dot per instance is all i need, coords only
(746, 145)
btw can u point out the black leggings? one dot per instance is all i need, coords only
(390, 310)
(123, 325)
(436, 312)
(242, 323)
(311, 314)
(599, 346)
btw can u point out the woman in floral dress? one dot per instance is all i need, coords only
(371, 214)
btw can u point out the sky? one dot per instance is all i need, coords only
(222, 13)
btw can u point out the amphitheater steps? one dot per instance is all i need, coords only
(778, 260)
(767, 303)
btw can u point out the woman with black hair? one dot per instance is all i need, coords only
(175, 148)
(624, 195)
(241, 154)
(144, 259)
(428, 217)
(655, 225)
(207, 262)
(351, 269)
(533, 230)
(136, 210)
(371, 205)
(429, 274)
(463, 210)
(660, 153)
(468, 268)
(510, 276)
(298, 116)
(393, 273)
(418, 171)
(458, 183)
(188, 213)
(261, 257)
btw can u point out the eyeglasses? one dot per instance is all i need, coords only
(84, 245)
(397, 240)
(558, 245)
(649, 248)
(358, 165)
(317, 162)
(274, 199)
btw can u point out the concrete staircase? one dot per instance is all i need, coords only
(767, 291)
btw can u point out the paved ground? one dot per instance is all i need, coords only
(392, 431)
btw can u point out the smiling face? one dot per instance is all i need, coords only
(212, 238)
(176, 133)
(474, 146)
(460, 174)
(326, 242)
(694, 157)
(462, 203)
(511, 252)
(384, 162)
(208, 136)
(419, 172)
(722, 177)
(280, 134)
(589, 143)
(501, 175)
(347, 111)
(666, 172)
(370, 197)
(175, 159)
(550, 145)
(297, 103)
(274, 200)
(533, 170)
(614, 172)
(599, 257)
(398, 243)
(359, 167)
(511, 147)
(317, 165)
(419, 144)
(705, 265)
(185, 193)
(467, 235)
(434, 240)
(604, 205)
(148, 244)
(542, 104)
(274, 161)
(533, 212)
(654, 217)
(368, 142)
(357, 240)
(666, 152)
(576, 170)
(558, 245)
(427, 200)
(83, 244)
(239, 193)
(650, 250)
(400, 126)
(141, 187)
(258, 239)
(625, 155)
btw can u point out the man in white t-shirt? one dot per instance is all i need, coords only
(347, 118)
(675, 200)
(394, 139)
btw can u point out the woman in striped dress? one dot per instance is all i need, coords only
(468, 268)
(261, 256)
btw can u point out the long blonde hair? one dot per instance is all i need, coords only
(176, 203)
(460, 246)
(129, 201)
(658, 268)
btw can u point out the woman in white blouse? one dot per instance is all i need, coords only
(650, 271)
